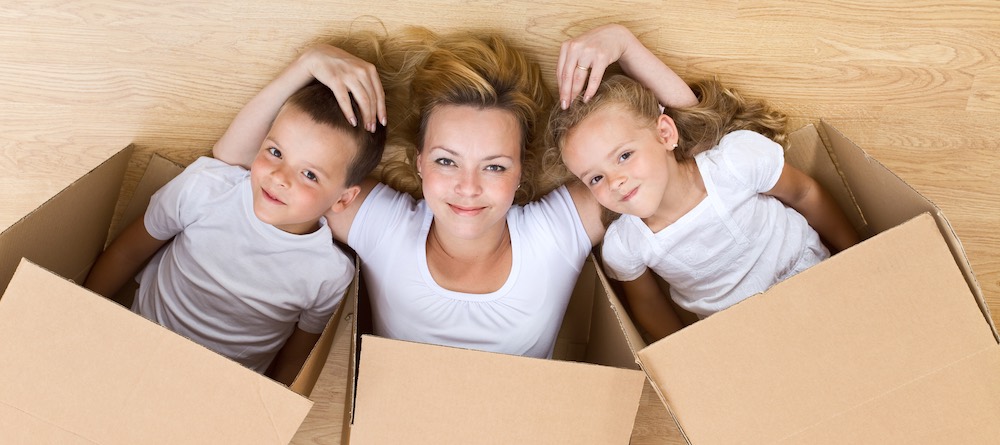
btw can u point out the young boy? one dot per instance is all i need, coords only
(252, 271)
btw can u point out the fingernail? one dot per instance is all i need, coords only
(564, 104)
(354, 122)
(384, 121)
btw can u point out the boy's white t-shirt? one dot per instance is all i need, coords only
(229, 281)
(549, 246)
(733, 244)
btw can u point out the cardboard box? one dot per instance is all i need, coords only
(416, 393)
(79, 368)
(889, 341)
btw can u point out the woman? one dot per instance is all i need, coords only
(463, 266)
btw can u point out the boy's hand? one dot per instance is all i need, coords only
(345, 73)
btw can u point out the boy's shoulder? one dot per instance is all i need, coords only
(215, 171)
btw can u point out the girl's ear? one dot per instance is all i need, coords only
(667, 131)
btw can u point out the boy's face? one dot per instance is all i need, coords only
(299, 172)
(627, 166)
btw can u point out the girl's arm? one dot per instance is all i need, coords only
(122, 259)
(600, 47)
(650, 307)
(802, 193)
(341, 71)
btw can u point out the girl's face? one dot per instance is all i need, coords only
(627, 166)
(471, 167)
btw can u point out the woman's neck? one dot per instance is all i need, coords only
(478, 266)
(681, 196)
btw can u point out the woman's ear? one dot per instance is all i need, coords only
(667, 131)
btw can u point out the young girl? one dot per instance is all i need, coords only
(707, 201)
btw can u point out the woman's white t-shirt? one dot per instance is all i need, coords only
(549, 246)
(733, 244)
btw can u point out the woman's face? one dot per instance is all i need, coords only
(471, 167)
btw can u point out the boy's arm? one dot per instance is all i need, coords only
(341, 71)
(650, 307)
(802, 193)
(600, 47)
(122, 259)
(292, 356)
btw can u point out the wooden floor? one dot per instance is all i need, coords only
(915, 82)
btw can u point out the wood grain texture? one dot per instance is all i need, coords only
(914, 82)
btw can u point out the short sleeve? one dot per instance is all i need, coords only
(165, 215)
(314, 319)
(555, 219)
(752, 158)
(382, 211)
(620, 263)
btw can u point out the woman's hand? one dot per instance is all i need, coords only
(345, 73)
(584, 59)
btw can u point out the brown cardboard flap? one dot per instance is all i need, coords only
(79, 364)
(422, 394)
(158, 173)
(66, 232)
(838, 335)
(959, 404)
(807, 153)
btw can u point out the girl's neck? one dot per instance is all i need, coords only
(685, 190)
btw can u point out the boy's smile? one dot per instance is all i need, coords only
(299, 172)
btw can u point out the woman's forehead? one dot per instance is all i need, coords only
(473, 131)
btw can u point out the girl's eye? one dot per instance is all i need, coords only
(595, 180)
(310, 175)
(625, 156)
(444, 161)
(274, 152)
(496, 168)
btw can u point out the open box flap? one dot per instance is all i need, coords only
(422, 394)
(839, 334)
(66, 232)
(886, 200)
(58, 342)
(955, 405)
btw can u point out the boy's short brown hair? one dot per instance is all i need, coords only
(319, 102)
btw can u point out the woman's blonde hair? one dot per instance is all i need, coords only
(720, 110)
(421, 70)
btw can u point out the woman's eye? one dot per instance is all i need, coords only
(595, 180)
(496, 168)
(309, 175)
(274, 152)
(625, 156)
(444, 161)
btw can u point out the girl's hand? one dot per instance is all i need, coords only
(345, 73)
(584, 59)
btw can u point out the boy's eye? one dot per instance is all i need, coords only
(274, 152)
(624, 156)
(593, 181)
(444, 161)
(310, 175)
(495, 168)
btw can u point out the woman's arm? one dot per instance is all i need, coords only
(802, 193)
(650, 307)
(122, 259)
(341, 71)
(600, 47)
